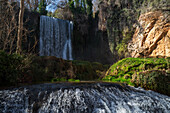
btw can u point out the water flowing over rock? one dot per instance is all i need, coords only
(82, 98)
(55, 37)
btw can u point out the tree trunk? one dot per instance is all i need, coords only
(84, 4)
(20, 26)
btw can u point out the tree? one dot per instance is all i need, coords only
(96, 5)
(84, 4)
(20, 26)
(14, 32)
(77, 3)
(32, 4)
(71, 5)
(8, 25)
(89, 8)
(42, 7)
(63, 10)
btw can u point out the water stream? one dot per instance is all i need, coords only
(82, 98)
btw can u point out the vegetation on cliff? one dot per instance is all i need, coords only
(120, 16)
(149, 73)
(42, 7)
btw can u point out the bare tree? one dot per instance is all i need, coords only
(9, 29)
(32, 4)
(96, 5)
(63, 11)
(8, 26)
(20, 26)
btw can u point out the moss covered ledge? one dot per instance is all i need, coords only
(149, 73)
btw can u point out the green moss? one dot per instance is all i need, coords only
(70, 80)
(154, 80)
(64, 80)
(73, 80)
(129, 65)
(121, 79)
(129, 71)
(77, 80)
(58, 80)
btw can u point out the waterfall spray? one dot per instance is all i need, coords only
(55, 37)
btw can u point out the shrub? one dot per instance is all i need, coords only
(122, 47)
(10, 65)
(42, 7)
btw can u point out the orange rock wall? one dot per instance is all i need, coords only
(152, 35)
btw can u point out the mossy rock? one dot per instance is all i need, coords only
(126, 76)
(49, 68)
(132, 71)
(132, 65)
(153, 80)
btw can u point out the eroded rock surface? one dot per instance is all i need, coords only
(152, 35)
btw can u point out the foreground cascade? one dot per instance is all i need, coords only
(55, 37)
(82, 98)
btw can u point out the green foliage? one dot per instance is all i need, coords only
(58, 80)
(124, 14)
(153, 80)
(16, 69)
(54, 69)
(73, 80)
(89, 8)
(88, 71)
(122, 47)
(77, 3)
(10, 68)
(85, 7)
(71, 5)
(118, 80)
(50, 14)
(64, 80)
(125, 69)
(42, 7)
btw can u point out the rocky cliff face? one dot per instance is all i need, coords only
(117, 17)
(152, 35)
(90, 43)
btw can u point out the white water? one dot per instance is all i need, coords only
(55, 37)
(82, 98)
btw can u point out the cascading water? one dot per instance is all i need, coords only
(55, 37)
(82, 98)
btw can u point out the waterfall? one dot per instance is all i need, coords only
(55, 37)
(82, 98)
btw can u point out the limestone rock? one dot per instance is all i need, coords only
(152, 36)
